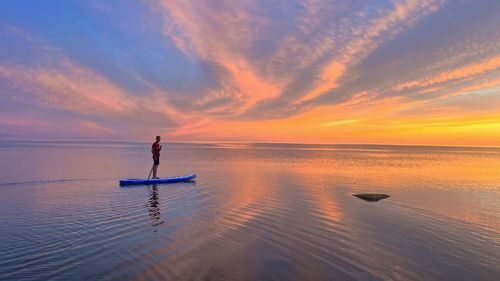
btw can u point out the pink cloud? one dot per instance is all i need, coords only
(21, 122)
(221, 35)
(458, 73)
(95, 127)
(71, 87)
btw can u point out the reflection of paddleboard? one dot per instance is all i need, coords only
(160, 180)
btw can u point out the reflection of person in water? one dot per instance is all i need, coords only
(154, 207)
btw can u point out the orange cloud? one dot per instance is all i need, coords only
(329, 78)
(376, 121)
(222, 37)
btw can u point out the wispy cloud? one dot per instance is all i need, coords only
(14, 122)
(70, 87)
(94, 126)
(340, 122)
(466, 71)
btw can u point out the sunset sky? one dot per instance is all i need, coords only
(313, 71)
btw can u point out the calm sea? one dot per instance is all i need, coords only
(255, 212)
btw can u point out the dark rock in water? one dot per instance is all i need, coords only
(371, 196)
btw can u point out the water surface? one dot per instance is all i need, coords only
(256, 212)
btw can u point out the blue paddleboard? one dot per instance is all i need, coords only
(160, 180)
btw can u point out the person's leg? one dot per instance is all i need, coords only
(155, 167)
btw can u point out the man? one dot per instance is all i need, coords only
(155, 149)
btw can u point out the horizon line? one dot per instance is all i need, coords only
(240, 142)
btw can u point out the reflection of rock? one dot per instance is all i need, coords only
(371, 196)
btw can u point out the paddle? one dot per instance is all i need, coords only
(150, 171)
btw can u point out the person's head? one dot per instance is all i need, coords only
(158, 138)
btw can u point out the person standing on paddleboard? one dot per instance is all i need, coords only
(155, 149)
